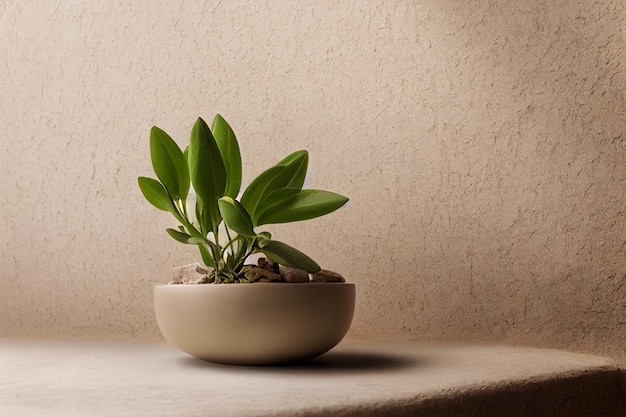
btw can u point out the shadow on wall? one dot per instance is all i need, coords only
(507, 223)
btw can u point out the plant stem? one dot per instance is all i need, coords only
(184, 205)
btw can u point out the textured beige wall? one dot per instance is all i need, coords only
(482, 145)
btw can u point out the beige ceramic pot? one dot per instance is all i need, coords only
(255, 324)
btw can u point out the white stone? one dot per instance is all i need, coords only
(189, 274)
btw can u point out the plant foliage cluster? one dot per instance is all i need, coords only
(223, 223)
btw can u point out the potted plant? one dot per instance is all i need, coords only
(282, 309)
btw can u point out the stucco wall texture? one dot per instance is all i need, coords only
(481, 143)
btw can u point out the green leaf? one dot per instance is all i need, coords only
(297, 164)
(286, 255)
(275, 200)
(206, 256)
(157, 195)
(207, 218)
(169, 164)
(286, 206)
(229, 149)
(262, 238)
(183, 237)
(206, 167)
(289, 172)
(266, 183)
(235, 216)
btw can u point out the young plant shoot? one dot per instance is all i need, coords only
(224, 226)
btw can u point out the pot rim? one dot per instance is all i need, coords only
(247, 284)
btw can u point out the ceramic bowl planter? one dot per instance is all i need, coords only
(255, 324)
(241, 313)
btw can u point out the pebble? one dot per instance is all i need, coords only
(293, 274)
(258, 274)
(325, 275)
(189, 274)
(268, 264)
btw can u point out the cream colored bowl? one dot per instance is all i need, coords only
(254, 324)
